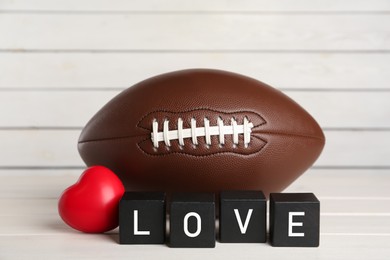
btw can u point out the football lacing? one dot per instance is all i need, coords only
(220, 130)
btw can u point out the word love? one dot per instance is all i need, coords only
(294, 219)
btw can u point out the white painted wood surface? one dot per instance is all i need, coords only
(187, 32)
(355, 211)
(60, 61)
(87, 70)
(200, 5)
(287, 70)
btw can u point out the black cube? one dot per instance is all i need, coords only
(192, 220)
(242, 217)
(294, 220)
(142, 218)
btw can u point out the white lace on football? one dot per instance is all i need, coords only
(206, 131)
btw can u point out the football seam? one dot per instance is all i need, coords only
(109, 139)
(289, 134)
(254, 132)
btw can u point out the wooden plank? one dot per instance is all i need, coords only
(355, 224)
(51, 108)
(351, 185)
(120, 70)
(36, 184)
(27, 207)
(57, 148)
(355, 148)
(39, 148)
(66, 108)
(95, 246)
(30, 225)
(75, 246)
(200, 5)
(194, 32)
(346, 109)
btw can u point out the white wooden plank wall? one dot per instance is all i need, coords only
(60, 61)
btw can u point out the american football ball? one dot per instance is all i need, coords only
(202, 130)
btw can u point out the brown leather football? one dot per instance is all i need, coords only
(202, 130)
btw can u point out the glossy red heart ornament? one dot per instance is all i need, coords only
(91, 204)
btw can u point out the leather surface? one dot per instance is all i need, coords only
(284, 142)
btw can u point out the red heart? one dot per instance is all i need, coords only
(91, 204)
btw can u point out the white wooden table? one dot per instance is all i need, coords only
(355, 222)
(60, 61)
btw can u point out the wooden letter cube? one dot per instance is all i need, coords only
(242, 217)
(142, 218)
(192, 220)
(294, 220)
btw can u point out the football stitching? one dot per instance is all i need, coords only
(205, 131)
(194, 132)
(201, 155)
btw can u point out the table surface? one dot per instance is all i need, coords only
(355, 222)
